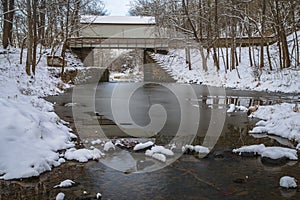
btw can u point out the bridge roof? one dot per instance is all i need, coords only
(125, 20)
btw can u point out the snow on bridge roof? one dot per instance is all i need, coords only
(93, 19)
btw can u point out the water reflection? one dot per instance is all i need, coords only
(214, 177)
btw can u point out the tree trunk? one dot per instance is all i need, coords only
(8, 10)
(42, 23)
(262, 63)
(29, 38)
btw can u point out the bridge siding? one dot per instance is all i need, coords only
(118, 30)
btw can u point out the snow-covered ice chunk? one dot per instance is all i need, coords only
(65, 183)
(288, 182)
(60, 196)
(83, 155)
(141, 146)
(109, 145)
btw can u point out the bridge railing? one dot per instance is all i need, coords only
(128, 43)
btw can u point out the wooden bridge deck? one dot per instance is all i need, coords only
(160, 43)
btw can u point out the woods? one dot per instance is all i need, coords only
(230, 19)
(48, 23)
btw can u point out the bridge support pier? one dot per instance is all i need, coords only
(85, 54)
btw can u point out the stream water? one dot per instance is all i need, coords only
(128, 111)
(220, 175)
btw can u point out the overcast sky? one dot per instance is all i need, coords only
(117, 7)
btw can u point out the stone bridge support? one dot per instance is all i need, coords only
(85, 54)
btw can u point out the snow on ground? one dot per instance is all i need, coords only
(287, 80)
(65, 183)
(282, 120)
(269, 152)
(288, 182)
(30, 132)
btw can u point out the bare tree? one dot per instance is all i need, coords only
(8, 13)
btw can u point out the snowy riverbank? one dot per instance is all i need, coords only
(244, 77)
(31, 134)
(282, 120)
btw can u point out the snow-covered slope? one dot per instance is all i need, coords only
(287, 80)
(30, 132)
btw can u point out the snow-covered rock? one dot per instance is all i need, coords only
(269, 152)
(162, 150)
(83, 155)
(197, 148)
(160, 157)
(98, 195)
(98, 141)
(109, 145)
(60, 196)
(65, 183)
(231, 108)
(159, 153)
(141, 146)
(288, 182)
(234, 108)
(256, 149)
